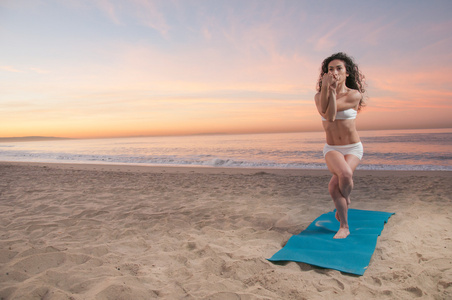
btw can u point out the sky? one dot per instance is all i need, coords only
(109, 68)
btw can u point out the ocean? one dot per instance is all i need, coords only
(427, 149)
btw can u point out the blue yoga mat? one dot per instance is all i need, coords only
(316, 246)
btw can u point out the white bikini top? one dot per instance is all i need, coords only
(345, 114)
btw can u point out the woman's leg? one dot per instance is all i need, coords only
(341, 185)
(338, 199)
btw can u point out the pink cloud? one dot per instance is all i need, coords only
(10, 69)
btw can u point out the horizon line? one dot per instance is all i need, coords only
(44, 138)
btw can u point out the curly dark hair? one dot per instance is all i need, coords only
(355, 79)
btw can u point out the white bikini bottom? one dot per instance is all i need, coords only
(354, 149)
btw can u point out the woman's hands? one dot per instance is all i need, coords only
(326, 99)
(330, 80)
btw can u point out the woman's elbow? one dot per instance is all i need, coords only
(331, 119)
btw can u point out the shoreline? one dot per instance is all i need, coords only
(221, 170)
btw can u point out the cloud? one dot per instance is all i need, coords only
(39, 70)
(376, 31)
(109, 9)
(328, 41)
(24, 70)
(150, 14)
(10, 69)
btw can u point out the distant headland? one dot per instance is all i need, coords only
(30, 139)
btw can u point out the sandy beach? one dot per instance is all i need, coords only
(126, 232)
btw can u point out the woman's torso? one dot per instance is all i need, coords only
(341, 132)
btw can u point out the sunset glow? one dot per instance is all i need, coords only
(104, 68)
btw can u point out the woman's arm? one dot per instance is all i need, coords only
(351, 100)
(326, 99)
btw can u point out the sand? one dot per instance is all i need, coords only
(121, 232)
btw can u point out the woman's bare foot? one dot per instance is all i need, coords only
(342, 233)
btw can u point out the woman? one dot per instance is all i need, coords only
(339, 98)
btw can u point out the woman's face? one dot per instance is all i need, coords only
(337, 69)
